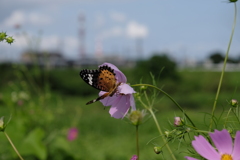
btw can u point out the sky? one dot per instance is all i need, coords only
(131, 29)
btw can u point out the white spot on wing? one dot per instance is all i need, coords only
(90, 79)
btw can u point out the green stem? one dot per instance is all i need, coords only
(147, 98)
(169, 98)
(224, 67)
(160, 132)
(227, 117)
(158, 127)
(137, 141)
(191, 127)
(15, 149)
(234, 112)
(200, 131)
(237, 112)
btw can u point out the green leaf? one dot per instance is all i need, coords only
(33, 145)
(62, 143)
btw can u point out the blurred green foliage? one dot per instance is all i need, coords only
(160, 65)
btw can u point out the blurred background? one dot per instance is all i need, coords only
(128, 29)
(182, 43)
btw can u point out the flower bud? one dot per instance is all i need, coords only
(9, 40)
(166, 133)
(137, 95)
(136, 117)
(230, 1)
(234, 103)
(157, 150)
(230, 130)
(3, 35)
(178, 122)
(142, 88)
(2, 127)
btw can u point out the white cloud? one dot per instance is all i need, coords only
(118, 17)
(136, 30)
(20, 41)
(19, 17)
(67, 45)
(133, 30)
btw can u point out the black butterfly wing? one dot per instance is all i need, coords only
(90, 77)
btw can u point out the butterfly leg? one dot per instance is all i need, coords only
(99, 98)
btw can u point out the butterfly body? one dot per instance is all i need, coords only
(102, 79)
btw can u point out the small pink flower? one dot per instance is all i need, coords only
(223, 143)
(177, 121)
(134, 157)
(72, 134)
(123, 99)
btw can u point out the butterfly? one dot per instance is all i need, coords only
(102, 79)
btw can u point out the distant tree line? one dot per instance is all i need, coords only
(218, 57)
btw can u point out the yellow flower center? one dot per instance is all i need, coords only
(226, 157)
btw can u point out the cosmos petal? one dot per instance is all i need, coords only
(223, 141)
(125, 89)
(120, 107)
(236, 153)
(202, 146)
(108, 101)
(119, 75)
(132, 102)
(120, 104)
(190, 158)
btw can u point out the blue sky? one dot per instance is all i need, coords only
(183, 29)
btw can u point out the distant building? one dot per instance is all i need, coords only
(43, 59)
(209, 65)
(51, 60)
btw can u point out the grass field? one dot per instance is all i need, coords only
(40, 123)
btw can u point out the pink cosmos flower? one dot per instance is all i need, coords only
(72, 134)
(223, 143)
(134, 157)
(123, 99)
